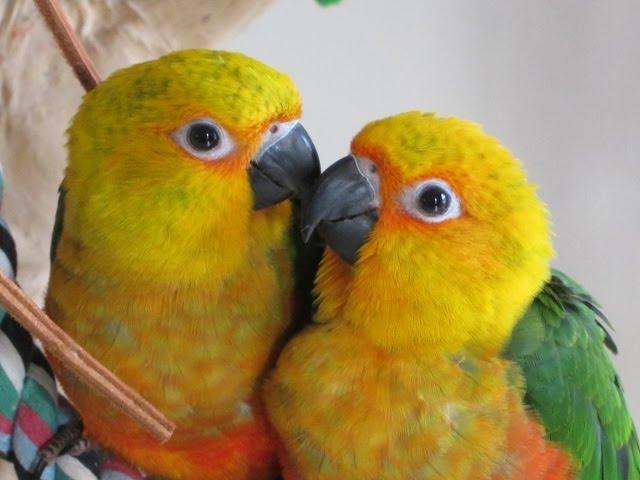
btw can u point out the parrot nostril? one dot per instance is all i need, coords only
(274, 128)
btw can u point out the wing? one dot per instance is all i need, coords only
(561, 345)
(57, 226)
(306, 260)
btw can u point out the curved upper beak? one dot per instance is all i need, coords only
(285, 169)
(343, 207)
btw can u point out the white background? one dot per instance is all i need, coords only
(556, 81)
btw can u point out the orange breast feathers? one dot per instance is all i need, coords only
(245, 451)
(537, 458)
(344, 409)
(196, 350)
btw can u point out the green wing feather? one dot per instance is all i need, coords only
(57, 226)
(561, 346)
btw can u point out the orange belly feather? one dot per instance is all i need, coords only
(537, 458)
(197, 350)
(243, 452)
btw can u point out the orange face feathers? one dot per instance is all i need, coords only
(458, 204)
(160, 152)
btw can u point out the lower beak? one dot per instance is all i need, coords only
(343, 208)
(286, 169)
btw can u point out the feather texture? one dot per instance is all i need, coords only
(407, 351)
(571, 384)
(39, 93)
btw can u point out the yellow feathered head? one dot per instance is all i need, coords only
(447, 238)
(174, 163)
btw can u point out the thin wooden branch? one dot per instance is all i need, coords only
(72, 49)
(30, 316)
(80, 363)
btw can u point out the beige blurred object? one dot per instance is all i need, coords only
(39, 93)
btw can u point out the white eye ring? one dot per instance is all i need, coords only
(220, 144)
(432, 201)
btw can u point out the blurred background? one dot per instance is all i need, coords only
(557, 82)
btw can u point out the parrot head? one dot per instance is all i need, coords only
(441, 241)
(176, 164)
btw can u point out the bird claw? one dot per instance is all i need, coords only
(68, 439)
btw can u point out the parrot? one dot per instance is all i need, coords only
(444, 345)
(176, 259)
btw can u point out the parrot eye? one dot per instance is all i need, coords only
(432, 201)
(204, 139)
(203, 136)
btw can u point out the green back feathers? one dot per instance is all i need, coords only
(57, 226)
(571, 383)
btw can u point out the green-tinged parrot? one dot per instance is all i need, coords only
(444, 346)
(176, 260)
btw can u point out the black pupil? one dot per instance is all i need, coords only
(434, 200)
(203, 136)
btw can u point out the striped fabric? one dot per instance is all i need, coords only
(32, 409)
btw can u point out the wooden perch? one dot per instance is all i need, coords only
(75, 359)
(55, 341)
(69, 43)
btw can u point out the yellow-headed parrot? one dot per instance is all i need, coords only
(444, 346)
(175, 260)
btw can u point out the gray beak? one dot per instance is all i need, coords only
(343, 207)
(286, 169)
